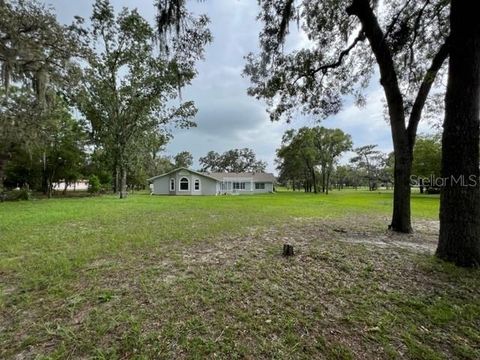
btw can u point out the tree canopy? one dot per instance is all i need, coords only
(183, 159)
(34, 47)
(305, 152)
(235, 160)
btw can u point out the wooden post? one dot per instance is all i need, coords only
(287, 250)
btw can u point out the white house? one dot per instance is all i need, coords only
(183, 181)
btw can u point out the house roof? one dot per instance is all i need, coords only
(182, 168)
(257, 177)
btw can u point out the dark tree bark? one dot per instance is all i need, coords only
(459, 240)
(324, 176)
(314, 181)
(123, 182)
(3, 164)
(328, 181)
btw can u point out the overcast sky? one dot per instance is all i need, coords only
(227, 117)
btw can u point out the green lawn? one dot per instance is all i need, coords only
(194, 277)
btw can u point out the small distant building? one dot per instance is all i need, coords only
(80, 185)
(183, 181)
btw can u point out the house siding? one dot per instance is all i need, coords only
(161, 185)
(268, 188)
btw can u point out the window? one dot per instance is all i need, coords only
(238, 186)
(184, 184)
(197, 185)
(259, 186)
(172, 184)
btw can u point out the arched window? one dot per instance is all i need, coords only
(172, 184)
(184, 184)
(197, 185)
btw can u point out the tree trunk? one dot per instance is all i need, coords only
(116, 180)
(3, 165)
(328, 181)
(314, 180)
(459, 239)
(123, 182)
(401, 221)
(401, 143)
(323, 180)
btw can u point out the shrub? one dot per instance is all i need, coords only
(93, 184)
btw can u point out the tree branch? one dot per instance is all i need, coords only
(424, 89)
(383, 55)
(324, 68)
(343, 53)
(415, 33)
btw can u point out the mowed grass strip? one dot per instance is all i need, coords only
(164, 277)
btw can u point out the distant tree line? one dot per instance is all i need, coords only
(308, 159)
(235, 160)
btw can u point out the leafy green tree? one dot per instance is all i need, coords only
(305, 151)
(348, 41)
(34, 47)
(347, 176)
(93, 184)
(56, 154)
(427, 156)
(211, 162)
(290, 164)
(300, 156)
(63, 150)
(235, 160)
(18, 125)
(375, 164)
(183, 159)
(330, 144)
(127, 84)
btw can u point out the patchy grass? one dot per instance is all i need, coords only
(196, 277)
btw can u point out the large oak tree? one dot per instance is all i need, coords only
(349, 41)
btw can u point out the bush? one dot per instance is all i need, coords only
(93, 184)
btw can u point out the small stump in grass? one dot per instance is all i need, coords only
(288, 250)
